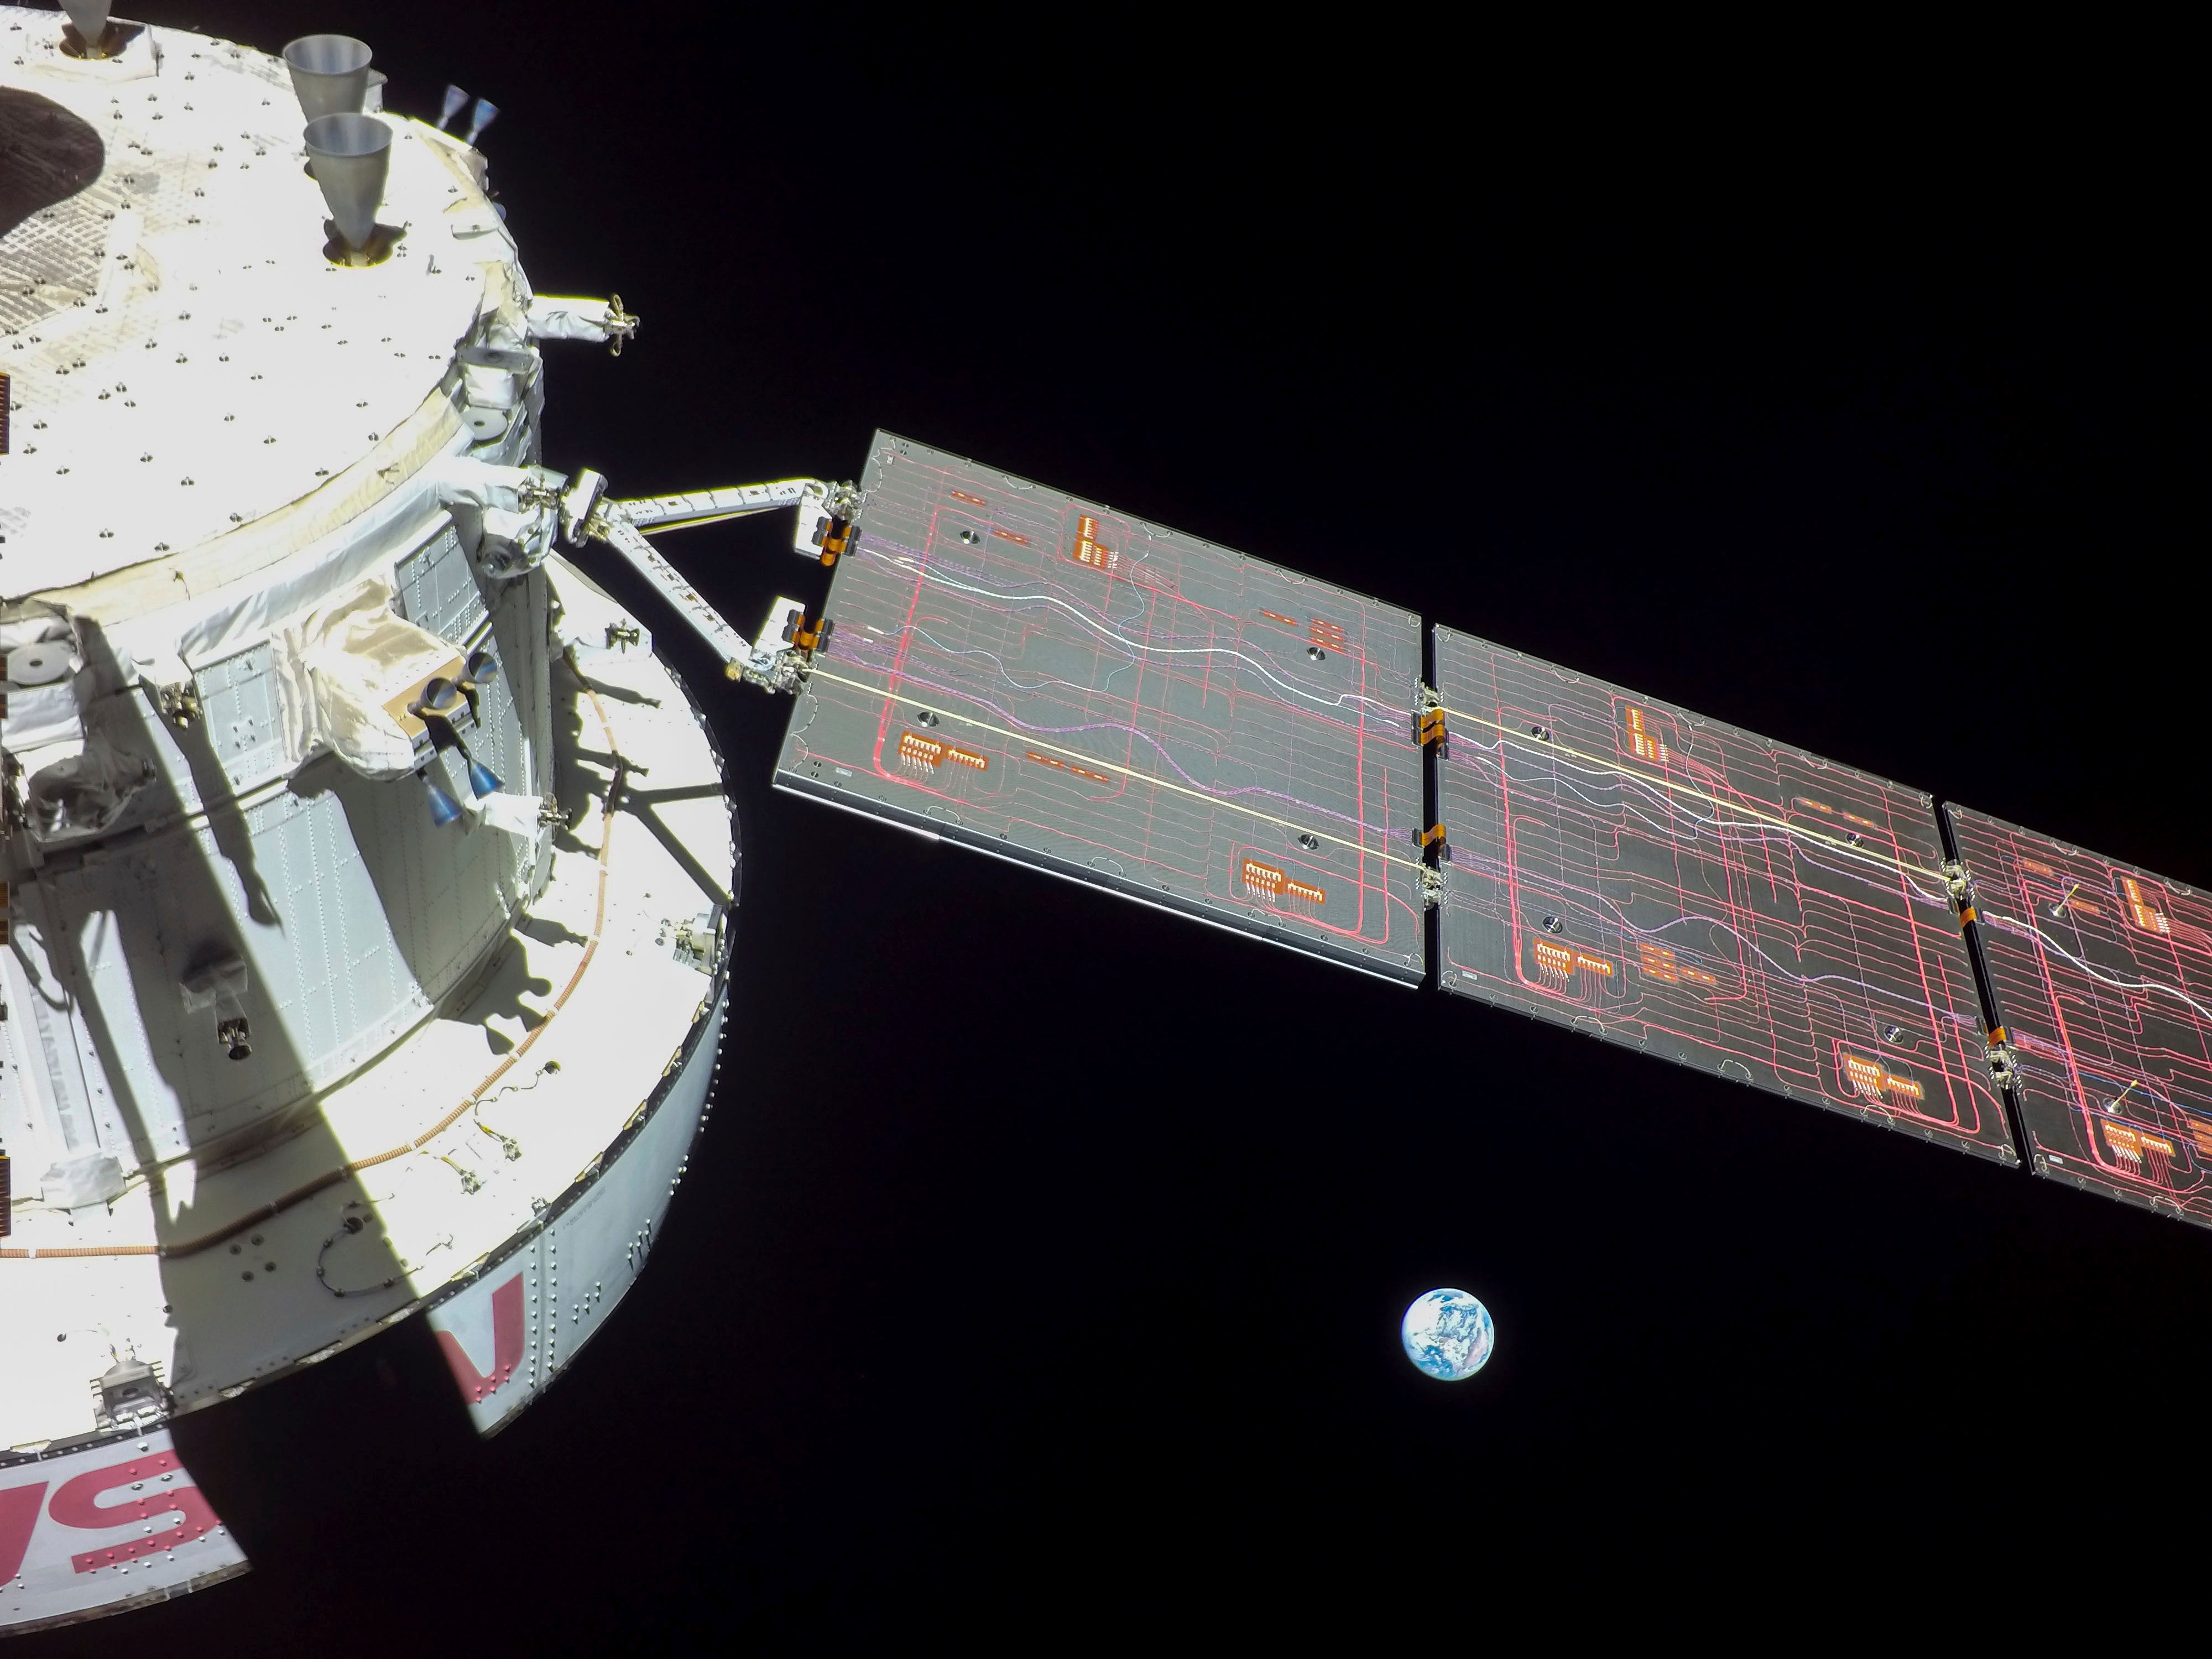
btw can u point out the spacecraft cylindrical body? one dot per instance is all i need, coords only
(333, 992)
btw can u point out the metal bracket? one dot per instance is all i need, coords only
(1955, 878)
(832, 532)
(131, 1393)
(179, 704)
(11, 798)
(779, 660)
(620, 324)
(785, 652)
(579, 508)
(1997, 1055)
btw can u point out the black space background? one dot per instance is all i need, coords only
(1051, 1289)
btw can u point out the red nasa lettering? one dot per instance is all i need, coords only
(506, 1344)
(75, 1504)
(19, 1518)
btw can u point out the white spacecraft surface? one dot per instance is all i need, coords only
(366, 873)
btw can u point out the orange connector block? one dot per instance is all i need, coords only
(914, 749)
(2131, 1143)
(1646, 747)
(2140, 911)
(1563, 960)
(1087, 550)
(1873, 1081)
(917, 751)
(1264, 879)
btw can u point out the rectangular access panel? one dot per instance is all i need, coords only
(1659, 879)
(2102, 974)
(1072, 688)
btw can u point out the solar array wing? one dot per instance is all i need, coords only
(1655, 879)
(1076, 689)
(1071, 688)
(2102, 975)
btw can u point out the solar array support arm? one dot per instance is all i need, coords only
(554, 317)
(773, 662)
(698, 506)
(823, 531)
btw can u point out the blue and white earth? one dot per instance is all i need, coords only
(1447, 1333)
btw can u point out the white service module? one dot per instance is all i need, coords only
(365, 876)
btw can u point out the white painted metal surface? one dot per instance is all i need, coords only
(181, 345)
(296, 1048)
(711, 506)
(522, 1059)
(534, 1137)
(520, 1323)
(106, 1527)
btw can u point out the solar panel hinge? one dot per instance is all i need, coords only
(1997, 1055)
(807, 637)
(833, 525)
(1961, 889)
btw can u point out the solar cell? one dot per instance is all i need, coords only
(2102, 977)
(1648, 875)
(1072, 688)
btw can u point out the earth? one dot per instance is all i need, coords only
(1448, 1334)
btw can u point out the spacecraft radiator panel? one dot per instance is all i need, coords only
(1077, 689)
(2102, 977)
(1657, 879)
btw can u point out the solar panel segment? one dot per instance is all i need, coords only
(2102, 977)
(1077, 689)
(1053, 682)
(1632, 871)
